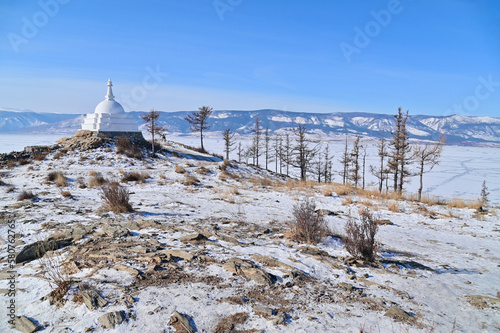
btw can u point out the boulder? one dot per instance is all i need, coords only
(25, 325)
(179, 254)
(263, 311)
(38, 249)
(181, 323)
(114, 230)
(197, 237)
(93, 300)
(111, 319)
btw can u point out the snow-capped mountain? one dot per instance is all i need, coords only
(458, 129)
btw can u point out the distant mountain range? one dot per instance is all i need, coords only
(458, 129)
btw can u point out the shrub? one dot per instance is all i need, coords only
(23, 161)
(26, 195)
(40, 156)
(58, 178)
(138, 177)
(360, 236)
(116, 198)
(307, 226)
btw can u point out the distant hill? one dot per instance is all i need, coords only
(458, 129)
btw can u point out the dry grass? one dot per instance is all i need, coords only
(190, 180)
(138, 177)
(202, 170)
(180, 169)
(93, 173)
(123, 145)
(66, 194)
(393, 206)
(26, 195)
(58, 178)
(461, 203)
(40, 156)
(60, 153)
(347, 200)
(97, 180)
(115, 198)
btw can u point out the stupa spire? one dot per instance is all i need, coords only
(109, 96)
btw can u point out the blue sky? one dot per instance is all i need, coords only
(431, 57)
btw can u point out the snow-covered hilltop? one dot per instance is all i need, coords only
(208, 246)
(458, 129)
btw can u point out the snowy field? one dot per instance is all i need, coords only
(439, 266)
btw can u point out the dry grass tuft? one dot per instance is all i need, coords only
(190, 180)
(66, 194)
(138, 177)
(180, 169)
(461, 203)
(116, 198)
(202, 170)
(97, 180)
(393, 206)
(26, 195)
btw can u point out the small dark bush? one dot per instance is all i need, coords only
(39, 156)
(23, 161)
(360, 237)
(26, 195)
(138, 177)
(116, 198)
(307, 226)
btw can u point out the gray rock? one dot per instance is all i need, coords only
(179, 254)
(93, 300)
(398, 314)
(263, 311)
(193, 238)
(181, 321)
(38, 249)
(114, 230)
(25, 325)
(111, 319)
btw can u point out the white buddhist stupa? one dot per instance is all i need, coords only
(110, 119)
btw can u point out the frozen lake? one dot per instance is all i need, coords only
(460, 174)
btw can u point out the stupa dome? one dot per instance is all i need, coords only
(109, 116)
(109, 105)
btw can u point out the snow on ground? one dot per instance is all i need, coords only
(431, 259)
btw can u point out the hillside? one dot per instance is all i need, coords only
(333, 126)
(208, 245)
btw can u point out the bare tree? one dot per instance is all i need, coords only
(228, 137)
(354, 158)
(363, 153)
(381, 172)
(257, 131)
(151, 121)
(287, 152)
(484, 195)
(267, 139)
(240, 151)
(400, 155)
(277, 157)
(345, 160)
(303, 153)
(327, 167)
(198, 121)
(427, 157)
